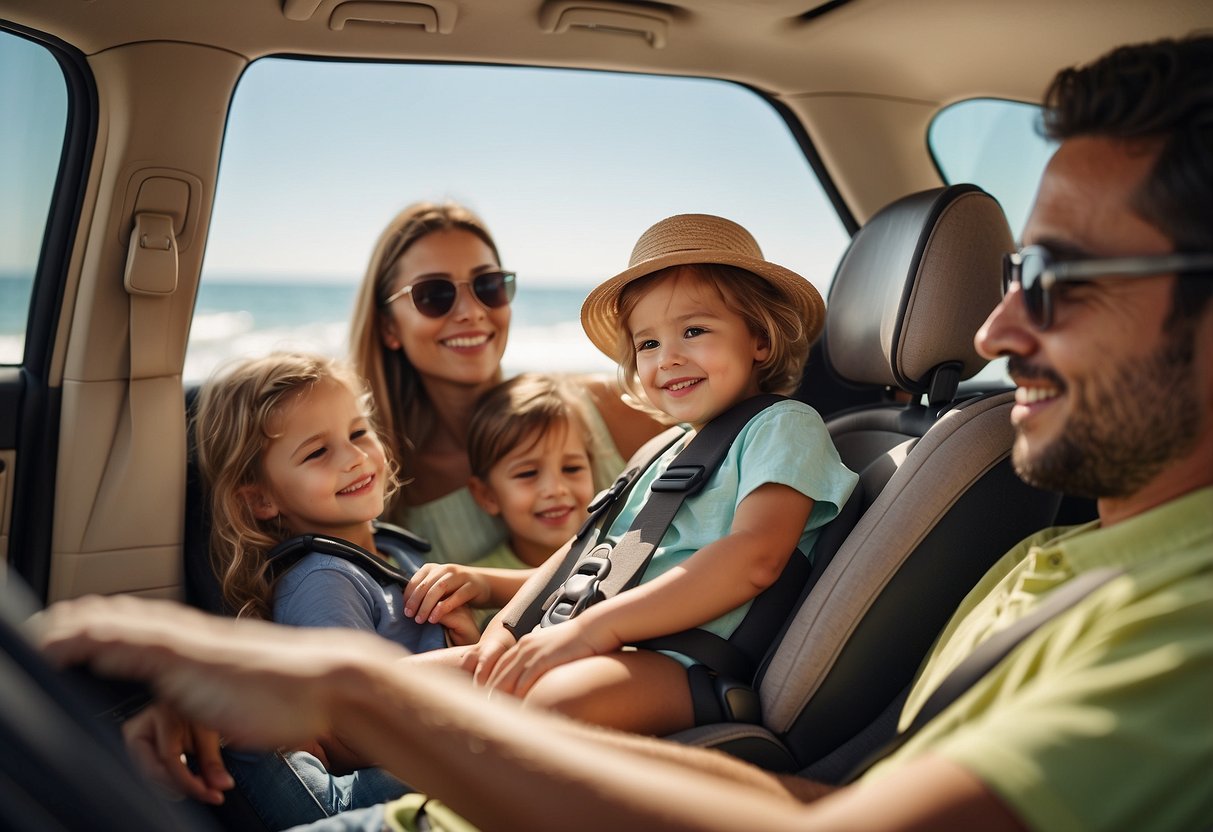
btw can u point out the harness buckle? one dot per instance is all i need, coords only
(688, 478)
(611, 493)
(581, 589)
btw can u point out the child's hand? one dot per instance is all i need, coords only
(495, 642)
(157, 737)
(438, 588)
(543, 649)
(461, 627)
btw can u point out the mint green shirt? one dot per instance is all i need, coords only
(1102, 718)
(787, 444)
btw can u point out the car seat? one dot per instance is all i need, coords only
(937, 501)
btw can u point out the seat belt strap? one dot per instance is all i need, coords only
(989, 653)
(608, 570)
(524, 611)
(289, 552)
(608, 498)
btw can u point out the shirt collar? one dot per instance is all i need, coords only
(1180, 523)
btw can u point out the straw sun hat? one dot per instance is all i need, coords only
(695, 238)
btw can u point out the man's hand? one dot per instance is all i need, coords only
(254, 683)
(542, 649)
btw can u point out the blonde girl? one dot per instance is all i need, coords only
(286, 447)
(698, 323)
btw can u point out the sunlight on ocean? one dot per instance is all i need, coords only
(234, 320)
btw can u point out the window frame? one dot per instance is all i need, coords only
(1033, 179)
(30, 392)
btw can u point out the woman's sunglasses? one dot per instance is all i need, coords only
(1038, 274)
(435, 297)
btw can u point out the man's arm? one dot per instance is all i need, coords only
(478, 759)
(266, 686)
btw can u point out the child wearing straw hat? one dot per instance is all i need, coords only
(699, 322)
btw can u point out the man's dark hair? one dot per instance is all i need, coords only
(1161, 91)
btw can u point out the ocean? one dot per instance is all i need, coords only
(237, 318)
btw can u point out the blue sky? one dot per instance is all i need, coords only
(567, 168)
(33, 111)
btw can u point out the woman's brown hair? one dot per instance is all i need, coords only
(404, 407)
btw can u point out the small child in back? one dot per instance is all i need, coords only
(286, 447)
(530, 451)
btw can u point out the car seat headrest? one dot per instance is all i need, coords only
(912, 289)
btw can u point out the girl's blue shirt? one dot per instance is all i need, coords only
(327, 591)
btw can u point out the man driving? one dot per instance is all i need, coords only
(1100, 719)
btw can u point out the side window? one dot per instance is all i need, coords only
(999, 146)
(33, 120)
(567, 168)
(995, 144)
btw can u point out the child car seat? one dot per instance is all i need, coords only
(939, 501)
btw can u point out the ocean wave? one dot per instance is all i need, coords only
(560, 347)
(205, 355)
(220, 326)
(12, 348)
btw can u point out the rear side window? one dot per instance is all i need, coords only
(999, 146)
(567, 168)
(33, 121)
(995, 144)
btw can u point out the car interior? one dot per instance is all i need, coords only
(97, 493)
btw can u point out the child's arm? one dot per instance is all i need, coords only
(718, 578)
(496, 641)
(438, 588)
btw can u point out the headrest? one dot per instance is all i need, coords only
(912, 289)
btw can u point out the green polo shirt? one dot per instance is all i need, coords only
(1102, 718)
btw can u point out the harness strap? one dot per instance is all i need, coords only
(685, 476)
(738, 656)
(626, 560)
(988, 654)
(287, 553)
(642, 459)
(526, 608)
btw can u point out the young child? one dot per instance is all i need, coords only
(530, 451)
(286, 447)
(698, 322)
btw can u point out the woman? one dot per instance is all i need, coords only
(429, 330)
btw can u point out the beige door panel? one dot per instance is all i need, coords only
(120, 484)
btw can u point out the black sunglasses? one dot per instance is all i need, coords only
(435, 297)
(1038, 273)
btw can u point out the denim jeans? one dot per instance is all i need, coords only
(293, 789)
(370, 819)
